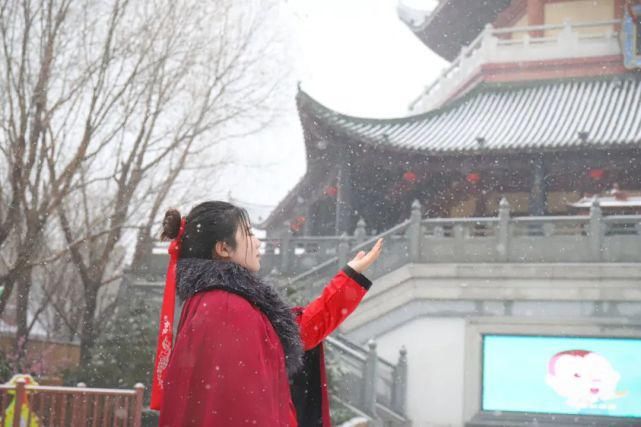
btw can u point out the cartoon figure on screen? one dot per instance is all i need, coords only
(583, 377)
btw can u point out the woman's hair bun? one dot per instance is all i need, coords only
(170, 224)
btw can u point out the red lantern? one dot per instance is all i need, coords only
(297, 223)
(410, 177)
(597, 174)
(473, 178)
(330, 191)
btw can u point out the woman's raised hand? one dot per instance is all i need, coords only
(362, 260)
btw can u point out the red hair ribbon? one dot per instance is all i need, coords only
(166, 329)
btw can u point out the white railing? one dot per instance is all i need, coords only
(500, 239)
(519, 44)
(369, 383)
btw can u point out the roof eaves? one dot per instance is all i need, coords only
(336, 121)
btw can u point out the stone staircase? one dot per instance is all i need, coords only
(369, 385)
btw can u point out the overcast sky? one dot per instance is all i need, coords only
(356, 57)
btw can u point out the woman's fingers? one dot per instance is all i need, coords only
(373, 254)
(359, 255)
(363, 260)
(378, 247)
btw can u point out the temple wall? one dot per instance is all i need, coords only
(557, 12)
(435, 348)
(522, 22)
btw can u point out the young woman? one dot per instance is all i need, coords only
(242, 356)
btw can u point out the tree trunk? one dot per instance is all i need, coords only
(23, 288)
(144, 246)
(88, 332)
(8, 283)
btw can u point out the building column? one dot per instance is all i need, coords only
(537, 205)
(344, 195)
(535, 15)
(307, 227)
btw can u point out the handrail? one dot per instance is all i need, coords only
(569, 24)
(313, 270)
(361, 246)
(561, 221)
(544, 219)
(479, 220)
(454, 64)
(74, 390)
(393, 230)
(490, 31)
(391, 413)
(375, 377)
(352, 408)
(626, 218)
(333, 342)
(319, 238)
(358, 352)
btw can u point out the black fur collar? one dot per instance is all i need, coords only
(196, 275)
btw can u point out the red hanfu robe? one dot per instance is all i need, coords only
(228, 369)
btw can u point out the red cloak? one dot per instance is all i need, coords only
(228, 369)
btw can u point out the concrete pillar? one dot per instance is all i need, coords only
(399, 391)
(413, 233)
(503, 232)
(596, 230)
(537, 205)
(360, 234)
(369, 380)
(460, 235)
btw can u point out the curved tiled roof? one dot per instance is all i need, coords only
(551, 115)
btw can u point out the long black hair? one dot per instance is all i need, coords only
(207, 224)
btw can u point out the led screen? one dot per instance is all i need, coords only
(562, 375)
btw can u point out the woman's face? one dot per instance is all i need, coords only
(247, 252)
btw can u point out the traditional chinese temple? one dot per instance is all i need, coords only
(540, 105)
